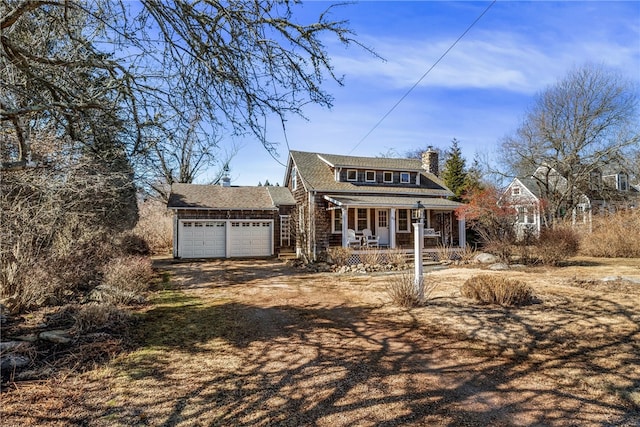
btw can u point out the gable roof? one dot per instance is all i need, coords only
(195, 196)
(316, 170)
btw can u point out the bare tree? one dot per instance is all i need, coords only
(585, 122)
(158, 65)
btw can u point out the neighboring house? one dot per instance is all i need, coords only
(336, 193)
(528, 196)
(212, 221)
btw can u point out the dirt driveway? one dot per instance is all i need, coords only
(259, 343)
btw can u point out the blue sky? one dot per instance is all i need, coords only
(478, 93)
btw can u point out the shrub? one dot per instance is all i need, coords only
(402, 290)
(500, 247)
(339, 255)
(613, 236)
(97, 317)
(124, 278)
(396, 257)
(557, 244)
(498, 290)
(371, 256)
(155, 226)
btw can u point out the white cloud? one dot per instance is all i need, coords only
(488, 60)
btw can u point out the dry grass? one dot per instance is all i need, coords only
(403, 292)
(125, 279)
(557, 244)
(371, 256)
(490, 289)
(339, 255)
(614, 236)
(94, 317)
(155, 226)
(257, 343)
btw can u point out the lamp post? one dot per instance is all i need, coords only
(418, 245)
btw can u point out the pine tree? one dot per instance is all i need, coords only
(455, 173)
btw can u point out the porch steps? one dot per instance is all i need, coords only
(287, 255)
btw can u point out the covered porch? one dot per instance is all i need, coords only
(389, 219)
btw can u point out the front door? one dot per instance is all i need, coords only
(382, 226)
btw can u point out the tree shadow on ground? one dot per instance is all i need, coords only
(348, 365)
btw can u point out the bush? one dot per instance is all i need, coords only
(94, 317)
(613, 236)
(396, 257)
(498, 290)
(402, 290)
(339, 255)
(501, 247)
(371, 256)
(557, 244)
(124, 279)
(155, 226)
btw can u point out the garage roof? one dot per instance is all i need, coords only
(196, 196)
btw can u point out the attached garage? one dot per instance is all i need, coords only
(228, 222)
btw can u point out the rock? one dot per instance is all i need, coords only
(499, 266)
(56, 336)
(26, 338)
(11, 345)
(485, 258)
(13, 361)
(610, 279)
(517, 266)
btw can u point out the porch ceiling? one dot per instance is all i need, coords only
(379, 201)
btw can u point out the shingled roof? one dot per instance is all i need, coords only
(317, 173)
(195, 196)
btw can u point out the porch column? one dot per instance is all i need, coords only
(345, 225)
(462, 232)
(392, 228)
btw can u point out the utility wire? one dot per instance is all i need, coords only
(423, 76)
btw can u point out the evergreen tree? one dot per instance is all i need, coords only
(455, 173)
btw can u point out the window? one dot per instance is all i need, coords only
(515, 191)
(623, 182)
(525, 215)
(362, 220)
(403, 220)
(336, 221)
(405, 178)
(352, 175)
(294, 178)
(387, 177)
(370, 176)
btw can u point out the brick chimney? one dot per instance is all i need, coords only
(430, 161)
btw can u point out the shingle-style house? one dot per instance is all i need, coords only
(603, 193)
(212, 221)
(338, 196)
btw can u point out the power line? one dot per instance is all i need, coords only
(423, 76)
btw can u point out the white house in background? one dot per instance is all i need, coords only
(606, 193)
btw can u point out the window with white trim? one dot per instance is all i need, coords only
(515, 191)
(387, 177)
(403, 224)
(370, 176)
(405, 177)
(362, 219)
(336, 221)
(352, 175)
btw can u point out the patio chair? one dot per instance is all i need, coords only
(352, 239)
(370, 239)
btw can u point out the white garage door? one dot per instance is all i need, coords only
(202, 239)
(250, 238)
